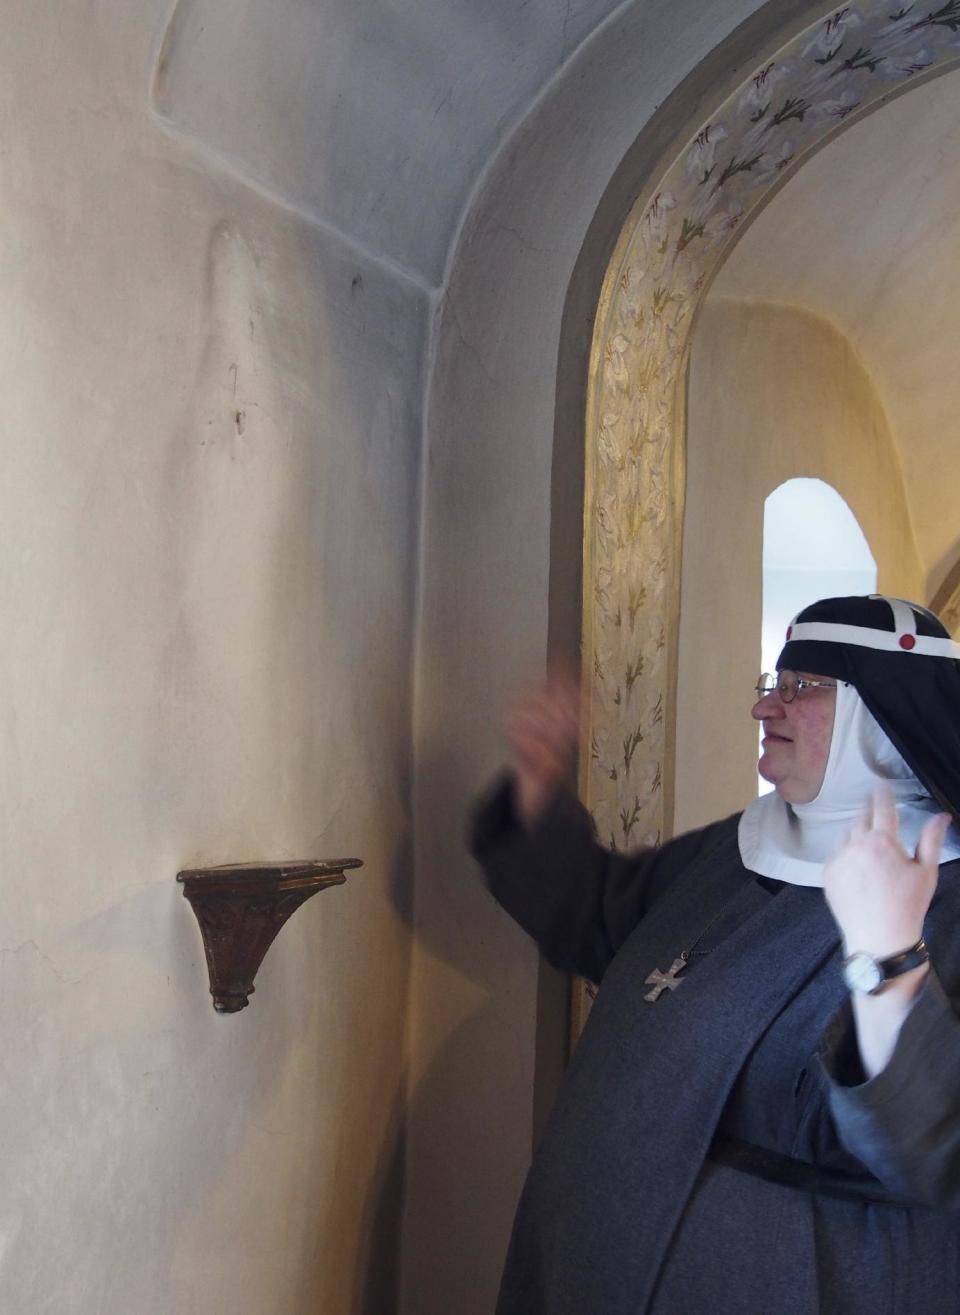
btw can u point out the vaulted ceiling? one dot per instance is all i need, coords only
(867, 234)
(375, 118)
(370, 117)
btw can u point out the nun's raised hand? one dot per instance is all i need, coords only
(877, 892)
(543, 732)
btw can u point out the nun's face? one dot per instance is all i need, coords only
(796, 740)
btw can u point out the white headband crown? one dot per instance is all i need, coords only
(903, 638)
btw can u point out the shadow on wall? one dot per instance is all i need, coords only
(464, 1248)
(291, 487)
(376, 1282)
(290, 605)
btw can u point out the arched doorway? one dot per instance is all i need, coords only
(683, 226)
(848, 63)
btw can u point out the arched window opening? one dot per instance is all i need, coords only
(813, 547)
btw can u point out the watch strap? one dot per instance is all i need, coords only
(904, 961)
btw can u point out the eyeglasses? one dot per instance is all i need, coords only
(788, 684)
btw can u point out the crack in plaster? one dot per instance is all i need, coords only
(474, 351)
(525, 243)
(222, 163)
(32, 944)
(563, 31)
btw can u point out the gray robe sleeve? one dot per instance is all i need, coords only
(904, 1123)
(577, 899)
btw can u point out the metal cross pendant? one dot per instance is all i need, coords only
(664, 981)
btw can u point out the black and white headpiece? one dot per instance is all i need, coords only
(906, 669)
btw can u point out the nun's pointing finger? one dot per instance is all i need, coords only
(931, 840)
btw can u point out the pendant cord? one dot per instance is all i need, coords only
(693, 952)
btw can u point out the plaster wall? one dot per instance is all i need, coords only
(774, 392)
(210, 442)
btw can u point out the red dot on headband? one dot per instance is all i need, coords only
(908, 641)
(789, 631)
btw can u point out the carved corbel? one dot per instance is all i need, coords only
(241, 907)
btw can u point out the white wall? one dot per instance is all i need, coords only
(209, 444)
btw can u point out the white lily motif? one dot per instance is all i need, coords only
(702, 155)
(761, 90)
(615, 368)
(656, 221)
(831, 34)
(913, 61)
(840, 106)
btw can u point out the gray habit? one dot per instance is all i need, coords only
(719, 1150)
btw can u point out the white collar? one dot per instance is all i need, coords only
(791, 842)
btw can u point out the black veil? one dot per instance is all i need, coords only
(912, 688)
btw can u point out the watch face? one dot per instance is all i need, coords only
(861, 972)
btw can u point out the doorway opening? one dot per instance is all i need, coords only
(813, 547)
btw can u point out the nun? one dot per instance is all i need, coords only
(762, 1116)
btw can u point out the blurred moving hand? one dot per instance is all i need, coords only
(543, 732)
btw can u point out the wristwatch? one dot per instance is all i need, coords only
(863, 973)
